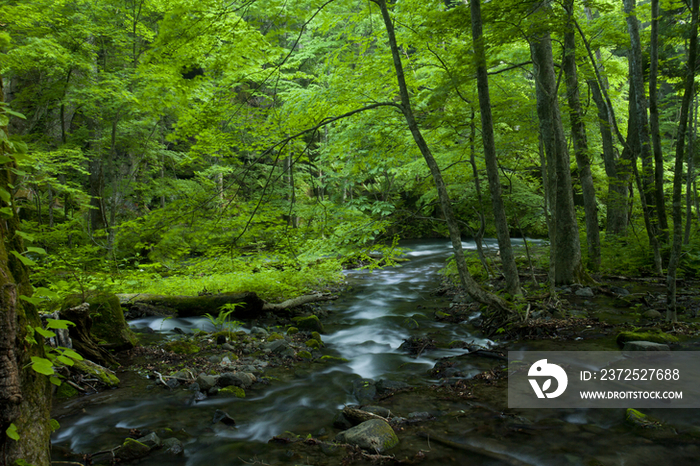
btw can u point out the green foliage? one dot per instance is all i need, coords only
(221, 322)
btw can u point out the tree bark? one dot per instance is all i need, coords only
(637, 85)
(690, 179)
(578, 134)
(654, 121)
(25, 395)
(567, 254)
(468, 282)
(617, 170)
(671, 314)
(510, 269)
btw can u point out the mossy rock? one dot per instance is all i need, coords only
(229, 335)
(332, 360)
(182, 347)
(108, 324)
(653, 335)
(317, 336)
(313, 344)
(311, 323)
(131, 450)
(292, 331)
(238, 392)
(274, 336)
(648, 427)
(304, 355)
(65, 391)
(103, 374)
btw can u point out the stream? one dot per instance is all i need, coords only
(378, 311)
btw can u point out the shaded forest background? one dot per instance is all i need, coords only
(237, 144)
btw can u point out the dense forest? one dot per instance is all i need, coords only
(185, 147)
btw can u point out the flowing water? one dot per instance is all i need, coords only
(366, 326)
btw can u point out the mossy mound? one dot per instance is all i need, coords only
(311, 323)
(304, 355)
(317, 336)
(182, 347)
(653, 335)
(108, 324)
(274, 336)
(313, 344)
(65, 391)
(103, 374)
(238, 392)
(292, 331)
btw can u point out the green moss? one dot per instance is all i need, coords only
(292, 331)
(238, 392)
(313, 344)
(274, 336)
(105, 376)
(311, 323)
(653, 335)
(442, 315)
(108, 324)
(182, 347)
(304, 355)
(317, 336)
(333, 360)
(132, 449)
(65, 391)
(230, 336)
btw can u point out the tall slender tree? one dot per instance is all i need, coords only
(678, 169)
(578, 134)
(507, 257)
(468, 282)
(567, 247)
(640, 109)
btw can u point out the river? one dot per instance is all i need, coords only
(366, 326)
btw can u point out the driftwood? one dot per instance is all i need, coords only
(83, 341)
(251, 306)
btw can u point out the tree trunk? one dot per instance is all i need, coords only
(618, 171)
(633, 146)
(654, 121)
(479, 235)
(578, 134)
(640, 104)
(690, 179)
(510, 269)
(25, 395)
(468, 282)
(678, 170)
(567, 252)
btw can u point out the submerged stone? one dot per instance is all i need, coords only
(374, 435)
(131, 450)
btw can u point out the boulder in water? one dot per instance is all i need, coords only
(374, 435)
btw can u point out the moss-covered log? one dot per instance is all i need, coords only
(251, 306)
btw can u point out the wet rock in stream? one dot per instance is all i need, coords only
(374, 435)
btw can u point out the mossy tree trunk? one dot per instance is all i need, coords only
(25, 396)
